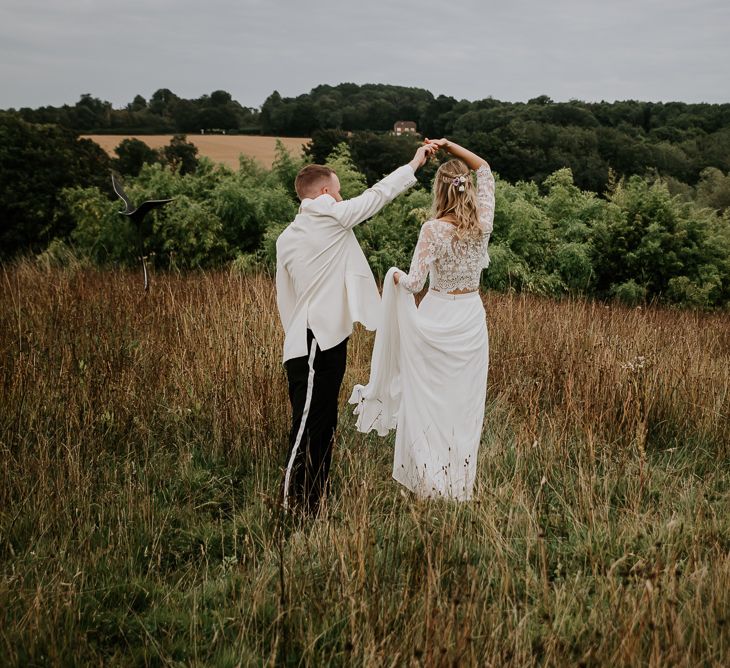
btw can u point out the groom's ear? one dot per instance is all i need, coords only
(327, 185)
(332, 187)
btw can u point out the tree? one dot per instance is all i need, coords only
(181, 155)
(433, 120)
(90, 112)
(713, 190)
(269, 111)
(36, 163)
(163, 102)
(379, 154)
(542, 100)
(138, 104)
(323, 143)
(185, 116)
(220, 98)
(352, 181)
(285, 169)
(132, 155)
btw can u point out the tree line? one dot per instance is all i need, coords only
(527, 141)
(164, 113)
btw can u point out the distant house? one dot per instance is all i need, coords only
(404, 127)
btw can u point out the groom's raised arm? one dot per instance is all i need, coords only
(351, 212)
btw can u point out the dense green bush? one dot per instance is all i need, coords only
(216, 215)
(646, 239)
(100, 232)
(676, 251)
(36, 163)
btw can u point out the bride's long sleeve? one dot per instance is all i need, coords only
(485, 198)
(423, 255)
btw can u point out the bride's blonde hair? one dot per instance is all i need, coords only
(455, 196)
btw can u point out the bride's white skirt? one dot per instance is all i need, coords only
(428, 379)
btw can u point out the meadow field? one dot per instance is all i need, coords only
(142, 439)
(219, 148)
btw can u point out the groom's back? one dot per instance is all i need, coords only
(309, 246)
(326, 279)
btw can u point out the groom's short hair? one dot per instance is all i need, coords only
(309, 177)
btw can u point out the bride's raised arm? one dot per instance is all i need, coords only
(472, 160)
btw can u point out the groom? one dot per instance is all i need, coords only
(324, 285)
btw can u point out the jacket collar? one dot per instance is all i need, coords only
(316, 205)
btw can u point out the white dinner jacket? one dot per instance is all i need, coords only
(323, 280)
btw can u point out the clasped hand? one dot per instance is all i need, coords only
(429, 148)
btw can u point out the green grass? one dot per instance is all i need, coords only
(142, 438)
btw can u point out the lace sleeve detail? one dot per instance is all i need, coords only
(423, 256)
(485, 198)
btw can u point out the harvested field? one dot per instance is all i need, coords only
(221, 148)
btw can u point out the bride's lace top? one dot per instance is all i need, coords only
(453, 263)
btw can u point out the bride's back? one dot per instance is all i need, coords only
(454, 263)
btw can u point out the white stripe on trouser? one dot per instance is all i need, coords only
(305, 414)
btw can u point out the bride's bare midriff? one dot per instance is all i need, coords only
(455, 292)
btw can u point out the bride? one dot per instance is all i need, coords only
(428, 375)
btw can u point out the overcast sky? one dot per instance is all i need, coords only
(52, 51)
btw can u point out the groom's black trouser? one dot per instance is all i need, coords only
(314, 385)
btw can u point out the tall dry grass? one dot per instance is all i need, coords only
(142, 437)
